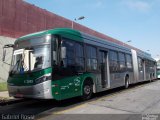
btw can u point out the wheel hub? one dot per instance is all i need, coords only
(87, 89)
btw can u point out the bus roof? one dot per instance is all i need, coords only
(52, 31)
(78, 35)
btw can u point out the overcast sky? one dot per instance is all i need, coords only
(135, 20)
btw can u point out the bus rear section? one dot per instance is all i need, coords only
(144, 66)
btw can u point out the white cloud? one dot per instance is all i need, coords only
(139, 5)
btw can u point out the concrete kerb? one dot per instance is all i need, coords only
(6, 100)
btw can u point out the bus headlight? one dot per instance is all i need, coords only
(43, 78)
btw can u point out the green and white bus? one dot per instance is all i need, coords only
(63, 63)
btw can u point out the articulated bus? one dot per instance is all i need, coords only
(63, 63)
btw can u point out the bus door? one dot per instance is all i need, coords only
(103, 67)
(141, 65)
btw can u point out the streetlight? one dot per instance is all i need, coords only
(80, 18)
(127, 42)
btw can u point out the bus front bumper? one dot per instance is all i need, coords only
(39, 91)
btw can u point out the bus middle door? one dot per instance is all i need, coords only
(103, 67)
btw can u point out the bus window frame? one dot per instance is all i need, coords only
(105, 50)
(60, 39)
(124, 69)
(118, 67)
(86, 58)
(127, 68)
(142, 59)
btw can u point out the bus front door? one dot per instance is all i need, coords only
(103, 67)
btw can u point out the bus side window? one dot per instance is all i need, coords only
(122, 61)
(113, 61)
(92, 64)
(129, 62)
(67, 62)
(140, 64)
(79, 57)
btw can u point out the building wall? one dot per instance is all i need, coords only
(18, 18)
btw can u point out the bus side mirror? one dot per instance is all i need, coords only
(4, 50)
(4, 55)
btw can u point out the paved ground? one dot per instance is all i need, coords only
(141, 102)
(6, 99)
(4, 94)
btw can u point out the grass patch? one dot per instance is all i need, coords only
(3, 86)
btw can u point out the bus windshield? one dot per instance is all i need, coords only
(31, 57)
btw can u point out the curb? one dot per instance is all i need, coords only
(6, 101)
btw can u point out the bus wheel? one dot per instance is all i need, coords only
(126, 82)
(87, 90)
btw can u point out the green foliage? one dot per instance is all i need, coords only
(3, 86)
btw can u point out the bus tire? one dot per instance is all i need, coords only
(87, 90)
(126, 82)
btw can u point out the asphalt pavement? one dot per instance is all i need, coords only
(138, 102)
(141, 102)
